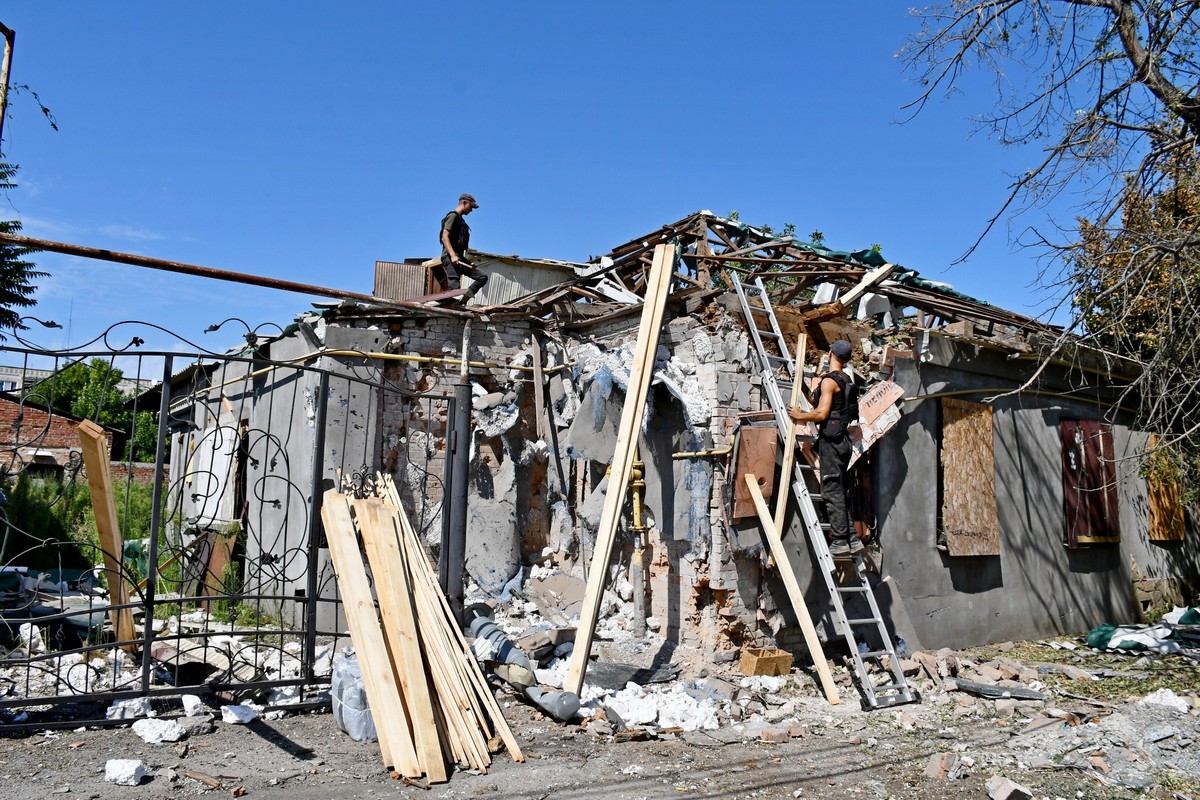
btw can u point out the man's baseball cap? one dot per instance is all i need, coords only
(468, 198)
(841, 348)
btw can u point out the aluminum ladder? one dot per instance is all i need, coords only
(774, 370)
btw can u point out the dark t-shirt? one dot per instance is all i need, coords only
(460, 233)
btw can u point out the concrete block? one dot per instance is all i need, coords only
(942, 766)
(124, 771)
(157, 731)
(775, 735)
(1003, 789)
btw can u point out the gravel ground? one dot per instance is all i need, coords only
(1073, 749)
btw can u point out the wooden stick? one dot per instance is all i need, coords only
(793, 590)
(400, 631)
(383, 693)
(108, 529)
(659, 285)
(789, 445)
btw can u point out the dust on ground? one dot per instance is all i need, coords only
(1114, 725)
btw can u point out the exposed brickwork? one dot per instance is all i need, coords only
(27, 431)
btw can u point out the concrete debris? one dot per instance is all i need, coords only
(1004, 789)
(157, 731)
(197, 725)
(134, 708)
(192, 705)
(1167, 699)
(242, 714)
(943, 766)
(124, 771)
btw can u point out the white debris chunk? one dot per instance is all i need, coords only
(157, 731)
(193, 706)
(133, 708)
(239, 715)
(124, 771)
(1168, 698)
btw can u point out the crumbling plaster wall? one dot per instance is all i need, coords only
(703, 591)
(506, 495)
(1036, 587)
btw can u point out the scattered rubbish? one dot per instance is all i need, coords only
(1000, 788)
(124, 771)
(351, 711)
(997, 691)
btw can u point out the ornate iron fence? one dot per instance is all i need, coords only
(228, 583)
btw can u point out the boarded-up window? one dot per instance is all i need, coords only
(1164, 489)
(969, 523)
(1089, 483)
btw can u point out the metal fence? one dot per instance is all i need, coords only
(217, 481)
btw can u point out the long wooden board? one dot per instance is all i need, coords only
(464, 660)
(394, 591)
(789, 445)
(658, 288)
(383, 692)
(794, 593)
(108, 529)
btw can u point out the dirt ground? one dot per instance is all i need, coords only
(1126, 750)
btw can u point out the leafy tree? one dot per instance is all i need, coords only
(1108, 90)
(89, 391)
(16, 273)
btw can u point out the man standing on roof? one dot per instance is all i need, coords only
(835, 406)
(455, 238)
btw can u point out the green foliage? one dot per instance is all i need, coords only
(39, 520)
(16, 273)
(89, 391)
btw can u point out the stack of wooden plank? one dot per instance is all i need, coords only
(430, 702)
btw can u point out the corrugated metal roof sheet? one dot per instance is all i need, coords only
(398, 281)
(510, 279)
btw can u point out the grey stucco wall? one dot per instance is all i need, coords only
(1036, 587)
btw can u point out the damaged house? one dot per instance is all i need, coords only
(1003, 494)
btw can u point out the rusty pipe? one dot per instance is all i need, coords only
(217, 274)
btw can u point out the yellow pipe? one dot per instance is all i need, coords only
(703, 453)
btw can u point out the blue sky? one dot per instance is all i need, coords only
(305, 140)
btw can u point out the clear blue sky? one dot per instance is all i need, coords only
(305, 140)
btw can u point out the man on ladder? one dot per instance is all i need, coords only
(834, 408)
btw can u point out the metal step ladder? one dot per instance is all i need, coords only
(843, 584)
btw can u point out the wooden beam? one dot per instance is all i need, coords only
(383, 692)
(789, 445)
(539, 391)
(108, 530)
(640, 374)
(794, 593)
(870, 279)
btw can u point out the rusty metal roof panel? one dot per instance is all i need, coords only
(399, 281)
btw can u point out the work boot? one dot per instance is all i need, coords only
(844, 548)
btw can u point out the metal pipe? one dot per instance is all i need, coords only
(724, 451)
(447, 483)
(160, 454)
(217, 274)
(314, 525)
(637, 569)
(457, 546)
(10, 38)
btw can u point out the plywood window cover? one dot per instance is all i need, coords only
(1166, 517)
(969, 517)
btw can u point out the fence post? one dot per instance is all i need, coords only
(314, 527)
(160, 450)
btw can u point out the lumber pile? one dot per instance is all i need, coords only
(432, 705)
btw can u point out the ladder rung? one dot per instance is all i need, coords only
(863, 621)
(889, 687)
(874, 654)
(853, 589)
